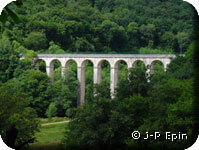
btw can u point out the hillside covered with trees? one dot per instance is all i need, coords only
(102, 26)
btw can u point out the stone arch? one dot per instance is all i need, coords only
(99, 63)
(83, 64)
(138, 61)
(52, 63)
(102, 71)
(120, 65)
(152, 68)
(120, 71)
(68, 62)
(87, 66)
(85, 61)
(38, 60)
(39, 66)
(119, 61)
(100, 66)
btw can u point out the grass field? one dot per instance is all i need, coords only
(50, 136)
(50, 133)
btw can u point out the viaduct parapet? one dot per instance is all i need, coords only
(97, 59)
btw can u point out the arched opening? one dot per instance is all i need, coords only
(71, 65)
(156, 67)
(104, 77)
(139, 64)
(41, 65)
(55, 67)
(122, 67)
(88, 68)
(104, 65)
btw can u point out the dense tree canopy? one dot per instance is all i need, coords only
(103, 26)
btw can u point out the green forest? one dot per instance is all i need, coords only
(159, 102)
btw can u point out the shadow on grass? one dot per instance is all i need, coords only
(50, 146)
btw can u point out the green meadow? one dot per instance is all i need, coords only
(50, 136)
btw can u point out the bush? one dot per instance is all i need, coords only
(51, 111)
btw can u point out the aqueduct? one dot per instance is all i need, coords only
(97, 59)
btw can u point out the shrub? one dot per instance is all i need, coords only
(51, 111)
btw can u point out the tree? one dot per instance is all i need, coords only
(111, 124)
(18, 122)
(104, 90)
(51, 111)
(127, 116)
(181, 67)
(35, 83)
(91, 128)
(121, 16)
(63, 92)
(35, 41)
(9, 60)
(183, 40)
(113, 35)
(81, 44)
(53, 48)
(135, 84)
(104, 5)
(181, 114)
(168, 40)
(92, 2)
(170, 109)
(132, 30)
(148, 34)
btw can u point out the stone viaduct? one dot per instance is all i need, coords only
(97, 59)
